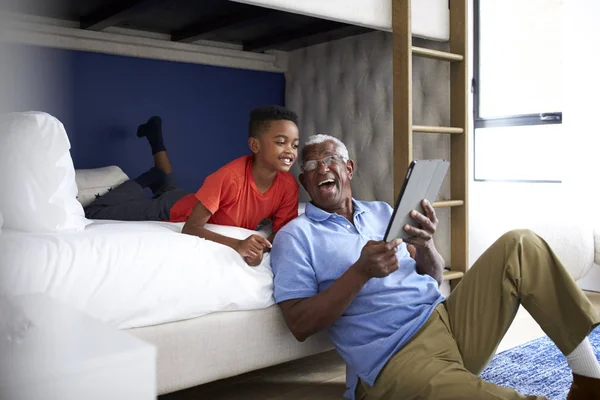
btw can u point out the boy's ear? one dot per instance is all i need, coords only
(254, 145)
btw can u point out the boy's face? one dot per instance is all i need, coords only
(277, 146)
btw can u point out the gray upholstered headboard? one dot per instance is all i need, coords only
(344, 88)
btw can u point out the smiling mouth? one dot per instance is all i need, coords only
(326, 184)
(287, 160)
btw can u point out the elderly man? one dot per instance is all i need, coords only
(381, 305)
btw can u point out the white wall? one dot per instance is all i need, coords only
(582, 134)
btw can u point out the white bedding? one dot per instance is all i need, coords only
(133, 274)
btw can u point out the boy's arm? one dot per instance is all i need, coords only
(250, 248)
(195, 226)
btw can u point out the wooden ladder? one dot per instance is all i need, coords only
(404, 128)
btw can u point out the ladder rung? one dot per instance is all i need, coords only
(436, 54)
(437, 129)
(448, 203)
(450, 275)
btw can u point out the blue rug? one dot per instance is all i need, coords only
(535, 368)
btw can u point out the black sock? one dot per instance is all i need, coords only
(153, 178)
(152, 130)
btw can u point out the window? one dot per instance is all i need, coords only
(518, 89)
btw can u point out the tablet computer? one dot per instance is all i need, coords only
(423, 181)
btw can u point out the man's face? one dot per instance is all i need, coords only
(277, 147)
(328, 185)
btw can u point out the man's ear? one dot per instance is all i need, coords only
(302, 180)
(350, 168)
(254, 144)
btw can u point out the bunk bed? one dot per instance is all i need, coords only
(346, 75)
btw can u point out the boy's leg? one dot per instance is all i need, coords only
(519, 268)
(128, 201)
(163, 186)
(152, 130)
(113, 204)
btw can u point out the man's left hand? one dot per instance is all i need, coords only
(424, 236)
(421, 246)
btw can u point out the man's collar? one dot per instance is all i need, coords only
(315, 213)
(319, 215)
(358, 207)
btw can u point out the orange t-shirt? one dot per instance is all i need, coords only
(230, 194)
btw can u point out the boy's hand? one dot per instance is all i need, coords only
(252, 247)
(254, 261)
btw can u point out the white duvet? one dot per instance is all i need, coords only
(132, 274)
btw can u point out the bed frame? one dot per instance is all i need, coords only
(290, 36)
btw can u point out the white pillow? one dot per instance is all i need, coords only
(234, 231)
(37, 177)
(97, 181)
(301, 208)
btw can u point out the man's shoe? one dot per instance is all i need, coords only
(584, 388)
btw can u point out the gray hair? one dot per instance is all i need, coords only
(340, 147)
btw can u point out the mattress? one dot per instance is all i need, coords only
(134, 274)
(224, 344)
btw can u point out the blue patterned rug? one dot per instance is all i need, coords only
(535, 368)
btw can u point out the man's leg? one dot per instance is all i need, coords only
(519, 268)
(152, 130)
(430, 366)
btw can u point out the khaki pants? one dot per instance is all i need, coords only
(445, 357)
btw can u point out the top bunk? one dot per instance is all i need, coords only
(250, 34)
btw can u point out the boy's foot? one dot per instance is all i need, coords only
(152, 130)
(152, 127)
(584, 388)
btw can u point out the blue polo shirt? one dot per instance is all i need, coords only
(315, 249)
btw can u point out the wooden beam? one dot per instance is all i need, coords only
(319, 32)
(436, 54)
(452, 274)
(459, 155)
(116, 14)
(438, 129)
(402, 86)
(202, 29)
(448, 203)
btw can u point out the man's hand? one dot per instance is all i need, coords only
(421, 247)
(252, 248)
(424, 236)
(378, 258)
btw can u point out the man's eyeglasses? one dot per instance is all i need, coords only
(311, 165)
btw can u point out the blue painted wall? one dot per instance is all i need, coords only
(101, 99)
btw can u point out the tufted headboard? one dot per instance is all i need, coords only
(344, 88)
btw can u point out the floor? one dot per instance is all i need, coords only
(322, 376)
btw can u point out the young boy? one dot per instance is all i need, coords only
(251, 188)
(242, 193)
